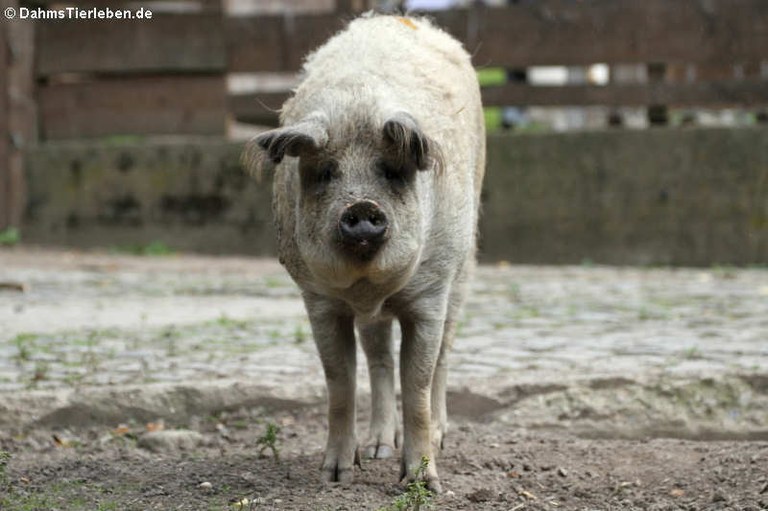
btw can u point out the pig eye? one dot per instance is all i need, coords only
(393, 174)
(325, 172)
(316, 175)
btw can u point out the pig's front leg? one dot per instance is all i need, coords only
(335, 338)
(418, 356)
(376, 339)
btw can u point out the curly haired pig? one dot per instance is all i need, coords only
(380, 157)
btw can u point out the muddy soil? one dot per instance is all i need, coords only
(485, 465)
(131, 383)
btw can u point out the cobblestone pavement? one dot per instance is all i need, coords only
(98, 320)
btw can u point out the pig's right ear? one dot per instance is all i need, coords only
(293, 140)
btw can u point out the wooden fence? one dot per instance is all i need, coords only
(17, 119)
(168, 74)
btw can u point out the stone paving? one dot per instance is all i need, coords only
(90, 320)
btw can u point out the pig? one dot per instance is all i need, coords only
(378, 167)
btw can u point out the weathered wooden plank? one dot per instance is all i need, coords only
(351, 6)
(623, 31)
(546, 32)
(276, 43)
(255, 44)
(262, 107)
(258, 108)
(156, 6)
(175, 43)
(139, 105)
(714, 94)
(5, 193)
(704, 72)
(22, 129)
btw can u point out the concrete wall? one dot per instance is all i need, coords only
(660, 196)
(189, 193)
(666, 196)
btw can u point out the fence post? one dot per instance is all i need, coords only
(351, 6)
(17, 112)
(5, 192)
(658, 115)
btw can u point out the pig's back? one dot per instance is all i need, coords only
(404, 50)
(407, 60)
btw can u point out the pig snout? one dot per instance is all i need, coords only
(363, 228)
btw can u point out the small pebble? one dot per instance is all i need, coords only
(205, 485)
(240, 504)
(170, 440)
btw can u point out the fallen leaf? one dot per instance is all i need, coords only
(21, 287)
(121, 430)
(61, 442)
(676, 492)
(155, 426)
(239, 503)
(408, 23)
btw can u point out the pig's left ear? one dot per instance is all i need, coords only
(402, 133)
(292, 140)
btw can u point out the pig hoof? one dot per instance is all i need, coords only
(378, 451)
(429, 477)
(432, 484)
(438, 443)
(438, 437)
(336, 474)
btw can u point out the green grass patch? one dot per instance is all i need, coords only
(63, 496)
(10, 237)
(269, 441)
(225, 321)
(153, 249)
(25, 346)
(416, 497)
(491, 76)
(493, 118)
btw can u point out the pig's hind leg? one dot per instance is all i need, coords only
(440, 377)
(439, 387)
(376, 339)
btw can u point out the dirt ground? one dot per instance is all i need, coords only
(131, 383)
(484, 466)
